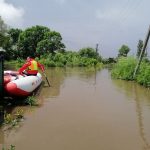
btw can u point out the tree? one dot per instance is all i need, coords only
(5, 40)
(14, 35)
(139, 48)
(123, 51)
(50, 43)
(3, 31)
(44, 47)
(89, 53)
(3, 26)
(29, 39)
(109, 60)
(38, 40)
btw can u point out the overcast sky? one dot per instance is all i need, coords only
(84, 23)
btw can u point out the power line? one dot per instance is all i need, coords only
(130, 11)
(125, 8)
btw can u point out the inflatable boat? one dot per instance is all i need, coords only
(18, 85)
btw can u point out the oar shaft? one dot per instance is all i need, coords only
(46, 79)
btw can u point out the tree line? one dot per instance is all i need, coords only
(40, 40)
(33, 41)
(42, 43)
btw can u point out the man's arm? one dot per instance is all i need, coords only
(25, 66)
(41, 67)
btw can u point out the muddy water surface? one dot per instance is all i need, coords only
(85, 110)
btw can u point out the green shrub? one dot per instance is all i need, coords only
(13, 120)
(20, 62)
(124, 68)
(69, 64)
(31, 100)
(143, 76)
(86, 62)
(12, 147)
(71, 59)
(59, 64)
(59, 57)
(75, 60)
(51, 64)
(8, 118)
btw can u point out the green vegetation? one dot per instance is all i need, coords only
(69, 59)
(13, 119)
(12, 147)
(46, 46)
(38, 40)
(124, 69)
(31, 100)
(139, 48)
(123, 51)
(143, 76)
(65, 59)
(33, 41)
(125, 66)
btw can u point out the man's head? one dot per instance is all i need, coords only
(29, 58)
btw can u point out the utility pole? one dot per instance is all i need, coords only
(97, 48)
(1, 73)
(142, 53)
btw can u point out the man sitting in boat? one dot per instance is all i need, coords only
(31, 67)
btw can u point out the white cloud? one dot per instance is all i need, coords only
(11, 15)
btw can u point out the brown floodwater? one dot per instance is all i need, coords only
(84, 110)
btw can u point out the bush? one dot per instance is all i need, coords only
(143, 76)
(60, 59)
(31, 100)
(59, 64)
(20, 62)
(124, 68)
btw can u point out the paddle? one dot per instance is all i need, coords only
(46, 78)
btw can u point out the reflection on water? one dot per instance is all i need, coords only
(141, 96)
(132, 89)
(141, 125)
(139, 111)
(57, 77)
(85, 109)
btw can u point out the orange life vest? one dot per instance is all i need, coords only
(33, 68)
(34, 65)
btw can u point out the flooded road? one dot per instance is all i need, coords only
(85, 110)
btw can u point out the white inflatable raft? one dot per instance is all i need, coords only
(18, 85)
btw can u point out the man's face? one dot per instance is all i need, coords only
(28, 58)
